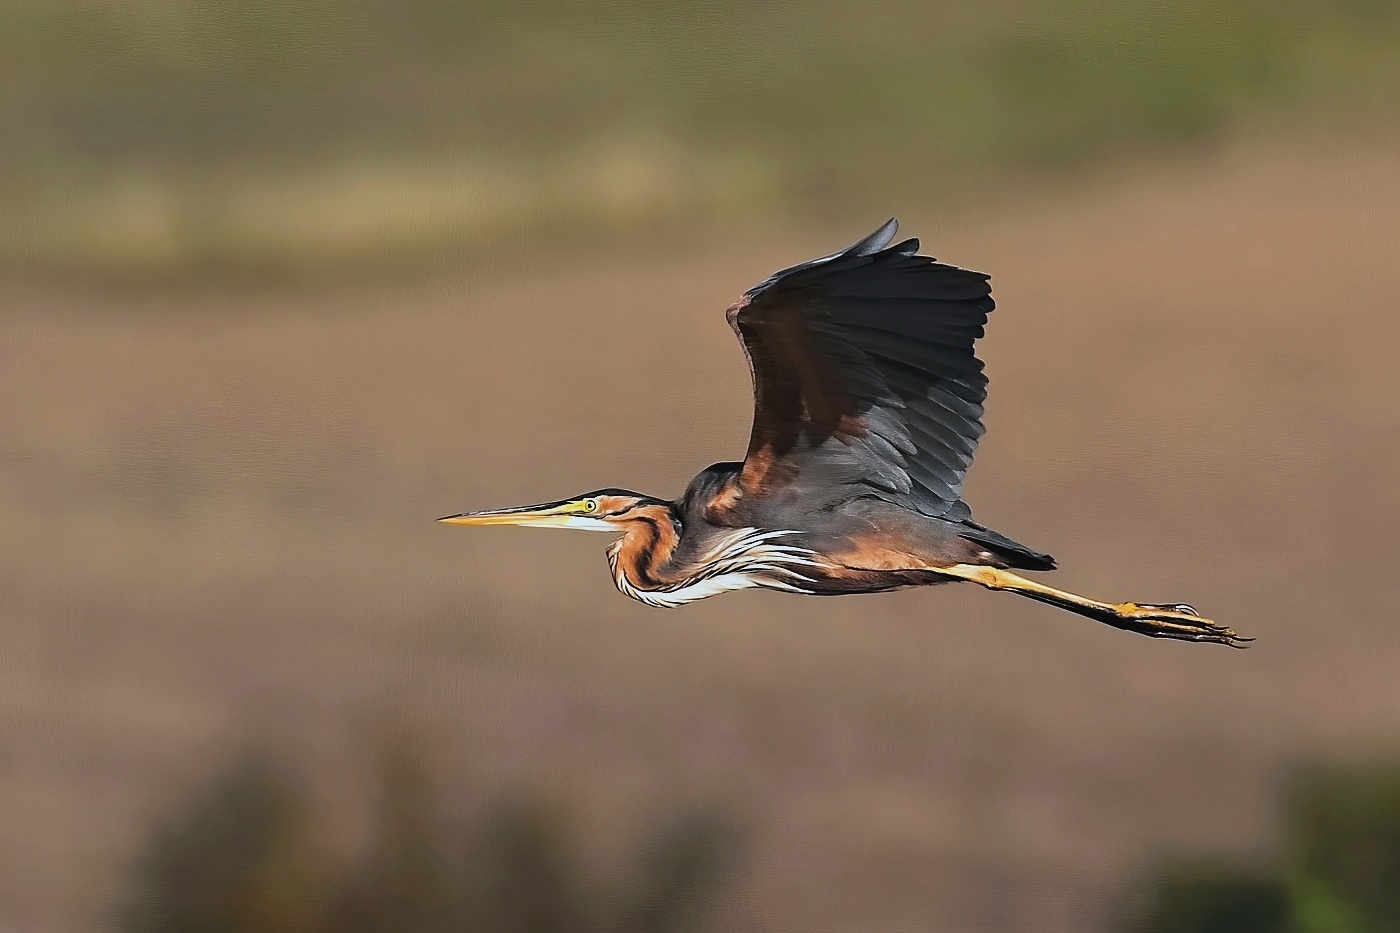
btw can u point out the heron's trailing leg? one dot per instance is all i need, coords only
(1170, 620)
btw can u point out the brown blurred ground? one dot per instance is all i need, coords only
(217, 522)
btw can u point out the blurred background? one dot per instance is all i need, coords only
(281, 281)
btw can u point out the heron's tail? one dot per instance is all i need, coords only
(1015, 555)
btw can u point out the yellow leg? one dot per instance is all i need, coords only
(1174, 620)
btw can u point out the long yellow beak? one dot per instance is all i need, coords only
(568, 514)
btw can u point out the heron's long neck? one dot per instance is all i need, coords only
(644, 554)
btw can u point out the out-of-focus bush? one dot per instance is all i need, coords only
(1339, 870)
(246, 856)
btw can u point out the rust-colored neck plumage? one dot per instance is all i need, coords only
(644, 553)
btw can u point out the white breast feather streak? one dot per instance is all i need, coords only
(740, 560)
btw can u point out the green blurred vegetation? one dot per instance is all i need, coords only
(265, 136)
(1339, 871)
(248, 855)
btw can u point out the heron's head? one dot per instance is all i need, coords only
(612, 510)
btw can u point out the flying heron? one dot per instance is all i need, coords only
(867, 410)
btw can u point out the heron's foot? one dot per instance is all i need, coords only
(1156, 620)
(1173, 620)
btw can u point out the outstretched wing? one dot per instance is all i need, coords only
(864, 375)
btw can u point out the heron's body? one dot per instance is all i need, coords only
(868, 402)
(710, 541)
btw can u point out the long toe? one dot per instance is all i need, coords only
(1171, 607)
(1178, 621)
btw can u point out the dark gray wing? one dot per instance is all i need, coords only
(865, 379)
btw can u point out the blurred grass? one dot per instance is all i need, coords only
(263, 137)
(248, 855)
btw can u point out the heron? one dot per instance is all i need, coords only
(868, 403)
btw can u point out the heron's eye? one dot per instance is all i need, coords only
(590, 505)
